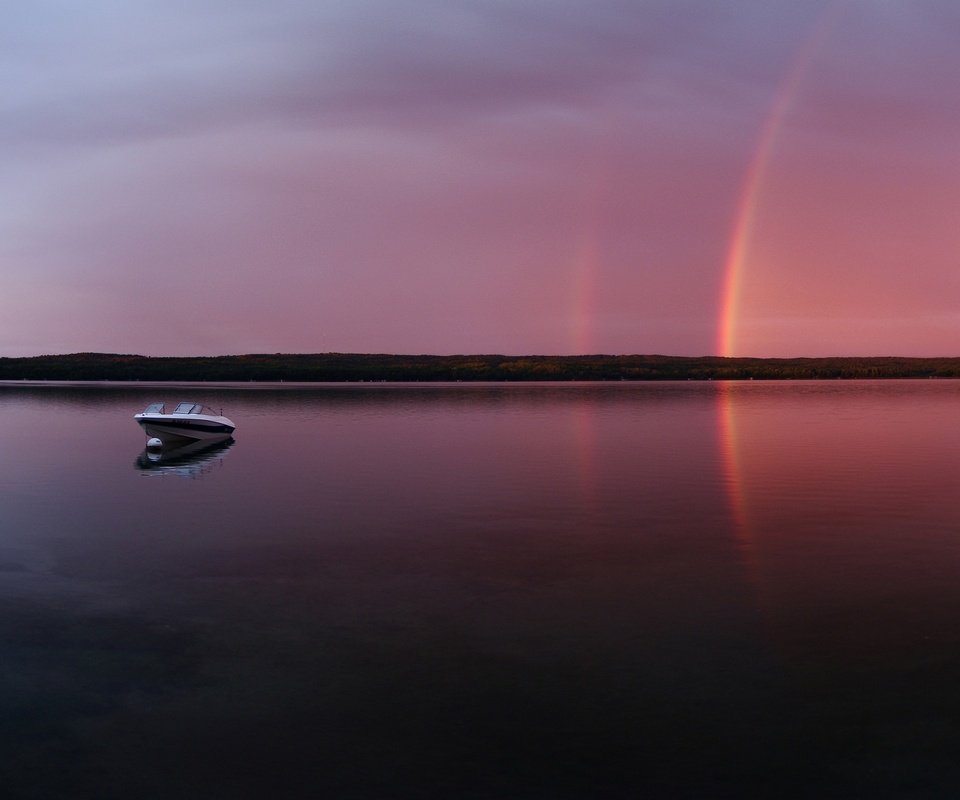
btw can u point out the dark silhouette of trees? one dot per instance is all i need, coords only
(383, 367)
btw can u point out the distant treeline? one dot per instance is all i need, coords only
(364, 367)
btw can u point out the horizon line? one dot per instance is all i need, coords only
(482, 355)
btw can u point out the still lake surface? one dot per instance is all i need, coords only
(609, 590)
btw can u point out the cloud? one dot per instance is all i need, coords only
(436, 175)
(110, 72)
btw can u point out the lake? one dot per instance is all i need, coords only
(612, 590)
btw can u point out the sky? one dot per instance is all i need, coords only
(686, 177)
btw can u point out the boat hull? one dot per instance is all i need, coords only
(168, 428)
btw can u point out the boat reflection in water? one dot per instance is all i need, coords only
(192, 460)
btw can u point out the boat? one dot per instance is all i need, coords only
(188, 422)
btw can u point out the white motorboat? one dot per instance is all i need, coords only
(187, 422)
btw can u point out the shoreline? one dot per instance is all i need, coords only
(379, 368)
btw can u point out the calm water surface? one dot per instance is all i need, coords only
(484, 591)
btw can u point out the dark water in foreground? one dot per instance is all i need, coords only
(510, 591)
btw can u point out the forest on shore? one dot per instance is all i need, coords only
(372, 367)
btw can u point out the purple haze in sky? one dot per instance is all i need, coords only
(514, 176)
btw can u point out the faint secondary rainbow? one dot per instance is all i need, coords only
(587, 261)
(586, 264)
(745, 218)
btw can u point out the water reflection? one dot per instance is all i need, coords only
(193, 460)
(734, 479)
(825, 481)
(843, 498)
(513, 591)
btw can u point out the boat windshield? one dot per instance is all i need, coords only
(154, 408)
(188, 408)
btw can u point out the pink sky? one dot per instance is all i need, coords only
(511, 176)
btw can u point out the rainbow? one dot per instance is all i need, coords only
(746, 210)
(586, 264)
(587, 259)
